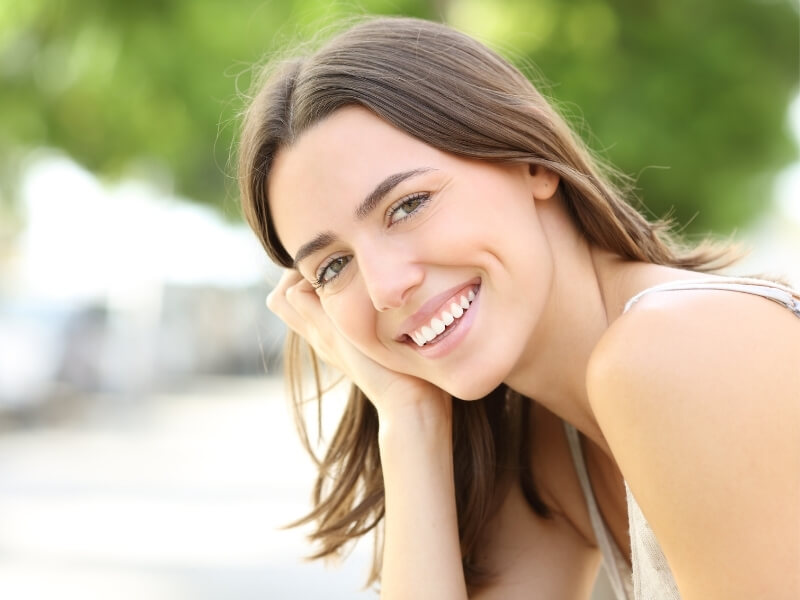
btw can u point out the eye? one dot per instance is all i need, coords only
(330, 270)
(407, 206)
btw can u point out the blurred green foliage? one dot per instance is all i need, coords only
(701, 88)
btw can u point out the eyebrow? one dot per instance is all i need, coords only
(326, 238)
(384, 187)
(320, 241)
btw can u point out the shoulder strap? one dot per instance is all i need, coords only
(773, 291)
(613, 560)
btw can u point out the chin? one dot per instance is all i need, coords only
(473, 381)
(472, 390)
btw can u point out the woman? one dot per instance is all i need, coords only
(541, 377)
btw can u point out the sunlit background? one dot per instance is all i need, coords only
(145, 446)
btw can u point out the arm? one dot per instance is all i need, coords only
(701, 408)
(421, 556)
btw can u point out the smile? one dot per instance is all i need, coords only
(440, 325)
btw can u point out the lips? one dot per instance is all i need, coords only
(439, 314)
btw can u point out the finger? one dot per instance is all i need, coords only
(296, 302)
(318, 327)
(289, 278)
(304, 300)
(279, 303)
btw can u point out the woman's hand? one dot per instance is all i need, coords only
(295, 301)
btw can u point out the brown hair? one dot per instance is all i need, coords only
(450, 91)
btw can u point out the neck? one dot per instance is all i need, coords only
(585, 296)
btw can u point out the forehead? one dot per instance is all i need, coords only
(333, 166)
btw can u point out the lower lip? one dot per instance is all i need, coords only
(457, 332)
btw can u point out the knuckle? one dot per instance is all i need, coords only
(291, 293)
(271, 300)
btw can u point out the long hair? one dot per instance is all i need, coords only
(453, 93)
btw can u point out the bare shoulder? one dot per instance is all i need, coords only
(698, 342)
(698, 395)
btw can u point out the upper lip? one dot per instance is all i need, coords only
(432, 308)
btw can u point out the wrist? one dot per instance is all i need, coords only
(425, 423)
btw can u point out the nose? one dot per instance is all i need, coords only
(390, 274)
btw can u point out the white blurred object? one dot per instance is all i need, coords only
(179, 290)
(84, 241)
(30, 354)
(775, 237)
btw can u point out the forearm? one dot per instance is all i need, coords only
(421, 557)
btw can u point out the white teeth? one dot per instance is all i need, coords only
(437, 326)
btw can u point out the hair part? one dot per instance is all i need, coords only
(455, 94)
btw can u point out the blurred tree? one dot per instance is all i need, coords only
(699, 88)
(689, 97)
(148, 86)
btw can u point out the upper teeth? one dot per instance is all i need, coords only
(437, 325)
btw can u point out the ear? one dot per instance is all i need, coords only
(543, 182)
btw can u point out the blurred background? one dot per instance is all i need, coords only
(145, 446)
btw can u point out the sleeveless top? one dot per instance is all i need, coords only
(650, 577)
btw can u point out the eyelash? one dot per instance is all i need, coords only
(423, 198)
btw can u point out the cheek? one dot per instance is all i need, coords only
(502, 230)
(355, 318)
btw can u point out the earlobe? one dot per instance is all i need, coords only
(543, 182)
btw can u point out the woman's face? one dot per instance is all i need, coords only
(431, 264)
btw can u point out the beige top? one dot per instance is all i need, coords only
(650, 577)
